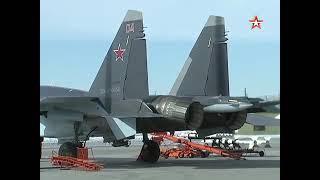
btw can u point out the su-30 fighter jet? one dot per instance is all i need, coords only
(118, 104)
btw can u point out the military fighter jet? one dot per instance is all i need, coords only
(200, 94)
(118, 104)
(112, 105)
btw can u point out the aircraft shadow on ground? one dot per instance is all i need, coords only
(51, 167)
(129, 163)
(246, 156)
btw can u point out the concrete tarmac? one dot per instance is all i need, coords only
(120, 163)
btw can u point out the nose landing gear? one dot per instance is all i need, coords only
(69, 149)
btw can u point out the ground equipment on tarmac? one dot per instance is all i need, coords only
(235, 148)
(80, 162)
(191, 147)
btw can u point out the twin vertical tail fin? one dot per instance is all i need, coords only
(123, 73)
(205, 73)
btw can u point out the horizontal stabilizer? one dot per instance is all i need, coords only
(260, 120)
(122, 128)
(269, 103)
(206, 132)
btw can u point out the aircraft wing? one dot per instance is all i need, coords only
(68, 110)
(80, 104)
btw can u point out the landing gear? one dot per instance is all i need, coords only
(204, 154)
(41, 140)
(150, 151)
(261, 153)
(68, 149)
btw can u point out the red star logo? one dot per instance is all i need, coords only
(119, 53)
(256, 22)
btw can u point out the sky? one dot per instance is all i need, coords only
(75, 35)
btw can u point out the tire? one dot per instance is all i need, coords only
(207, 154)
(41, 140)
(261, 153)
(40, 149)
(68, 149)
(150, 151)
(204, 154)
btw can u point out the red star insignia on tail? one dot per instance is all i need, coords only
(119, 53)
(256, 22)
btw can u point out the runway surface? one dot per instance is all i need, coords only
(120, 163)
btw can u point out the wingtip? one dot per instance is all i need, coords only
(133, 15)
(215, 20)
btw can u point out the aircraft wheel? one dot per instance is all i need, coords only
(150, 151)
(204, 154)
(40, 149)
(261, 153)
(68, 149)
(41, 140)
